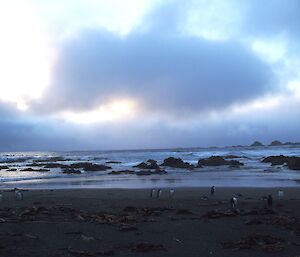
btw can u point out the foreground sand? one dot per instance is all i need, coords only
(130, 223)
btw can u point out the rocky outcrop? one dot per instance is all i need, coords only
(276, 160)
(276, 143)
(148, 165)
(218, 161)
(118, 172)
(257, 143)
(177, 163)
(54, 165)
(87, 166)
(292, 162)
(150, 172)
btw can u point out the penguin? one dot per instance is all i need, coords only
(152, 192)
(270, 201)
(19, 195)
(159, 193)
(212, 190)
(171, 193)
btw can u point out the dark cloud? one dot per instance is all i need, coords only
(166, 73)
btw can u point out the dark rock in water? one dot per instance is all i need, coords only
(150, 172)
(55, 165)
(71, 171)
(142, 165)
(294, 163)
(118, 172)
(144, 173)
(276, 160)
(177, 163)
(257, 143)
(12, 169)
(275, 143)
(218, 161)
(36, 170)
(149, 165)
(87, 166)
(4, 167)
(113, 162)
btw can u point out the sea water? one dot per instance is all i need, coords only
(254, 173)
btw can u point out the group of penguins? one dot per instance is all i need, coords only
(157, 193)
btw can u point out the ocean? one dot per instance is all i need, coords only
(254, 173)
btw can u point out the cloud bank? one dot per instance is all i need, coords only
(200, 72)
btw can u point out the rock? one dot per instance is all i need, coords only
(294, 163)
(276, 160)
(150, 172)
(218, 161)
(12, 169)
(177, 163)
(118, 172)
(55, 165)
(275, 143)
(149, 165)
(71, 171)
(257, 143)
(36, 170)
(87, 166)
(113, 162)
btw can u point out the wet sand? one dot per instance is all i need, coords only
(120, 222)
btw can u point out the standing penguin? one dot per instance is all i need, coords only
(152, 192)
(171, 193)
(233, 202)
(212, 190)
(159, 193)
(270, 201)
(19, 195)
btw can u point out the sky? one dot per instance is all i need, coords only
(97, 74)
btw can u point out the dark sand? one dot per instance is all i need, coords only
(94, 223)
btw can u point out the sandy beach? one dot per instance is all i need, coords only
(123, 222)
